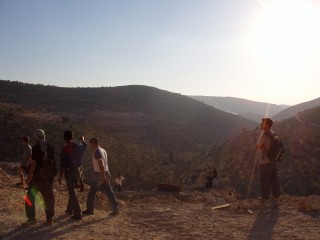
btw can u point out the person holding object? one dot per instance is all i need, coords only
(70, 166)
(269, 179)
(40, 179)
(101, 179)
(26, 160)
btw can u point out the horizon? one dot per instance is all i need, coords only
(52, 85)
(199, 48)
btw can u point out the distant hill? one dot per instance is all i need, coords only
(249, 109)
(151, 135)
(299, 172)
(294, 110)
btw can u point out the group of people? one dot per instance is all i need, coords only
(41, 170)
(40, 180)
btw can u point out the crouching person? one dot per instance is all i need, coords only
(40, 179)
(101, 179)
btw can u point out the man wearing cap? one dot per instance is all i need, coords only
(269, 179)
(37, 182)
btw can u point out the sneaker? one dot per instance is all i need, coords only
(87, 212)
(49, 223)
(29, 222)
(75, 217)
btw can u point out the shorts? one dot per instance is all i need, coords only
(25, 168)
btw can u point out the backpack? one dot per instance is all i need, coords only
(49, 169)
(276, 151)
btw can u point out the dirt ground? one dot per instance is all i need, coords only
(153, 215)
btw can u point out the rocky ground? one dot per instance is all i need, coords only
(154, 215)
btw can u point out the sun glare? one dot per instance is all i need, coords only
(287, 33)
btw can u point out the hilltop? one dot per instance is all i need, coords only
(246, 108)
(294, 110)
(151, 135)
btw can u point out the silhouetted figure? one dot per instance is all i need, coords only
(208, 173)
(70, 166)
(40, 179)
(268, 169)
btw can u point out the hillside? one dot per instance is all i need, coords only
(151, 135)
(294, 110)
(299, 172)
(162, 216)
(249, 109)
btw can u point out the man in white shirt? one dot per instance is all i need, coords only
(101, 179)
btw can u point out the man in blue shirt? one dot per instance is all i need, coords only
(70, 166)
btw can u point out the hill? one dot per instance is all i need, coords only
(249, 109)
(299, 172)
(294, 110)
(151, 135)
(156, 215)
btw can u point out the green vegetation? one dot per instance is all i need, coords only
(151, 135)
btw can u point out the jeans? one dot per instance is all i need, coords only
(98, 184)
(72, 178)
(269, 180)
(45, 188)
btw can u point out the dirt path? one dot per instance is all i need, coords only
(159, 217)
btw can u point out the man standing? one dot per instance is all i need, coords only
(269, 179)
(26, 160)
(38, 181)
(119, 180)
(70, 166)
(101, 179)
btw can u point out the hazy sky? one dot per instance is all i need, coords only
(254, 49)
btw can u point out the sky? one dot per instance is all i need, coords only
(263, 50)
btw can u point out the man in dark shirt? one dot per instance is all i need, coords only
(70, 166)
(37, 182)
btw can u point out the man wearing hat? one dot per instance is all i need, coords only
(40, 181)
(269, 179)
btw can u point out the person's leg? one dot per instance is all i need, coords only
(81, 180)
(91, 198)
(265, 181)
(111, 197)
(30, 200)
(73, 203)
(275, 183)
(48, 197)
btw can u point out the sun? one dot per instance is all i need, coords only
(287, 33)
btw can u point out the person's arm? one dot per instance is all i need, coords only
(31, 171)
(260, 143)
(29, 160)
(102, 171)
